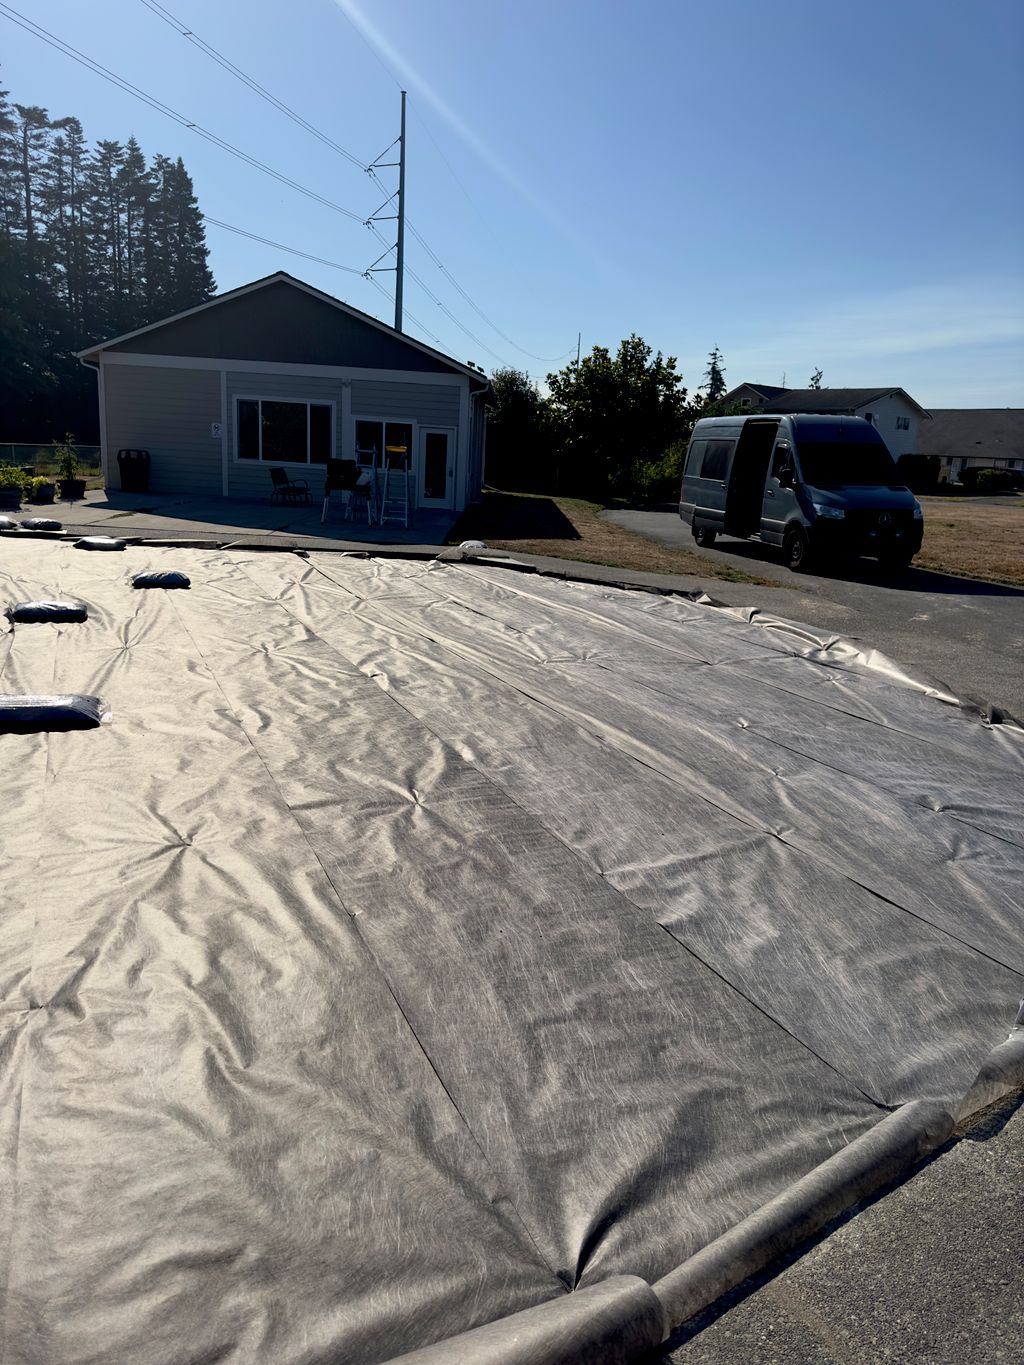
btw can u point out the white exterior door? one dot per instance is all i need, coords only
(437, 466)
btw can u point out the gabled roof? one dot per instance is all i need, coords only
(765, 390)
(835, 400)
(983, 433)
(282, 277)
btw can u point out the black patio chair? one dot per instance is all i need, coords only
(288, 490)
(341, 477)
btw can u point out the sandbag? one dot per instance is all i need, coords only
(161, 578)
(42, 524)
(99, 543)
(36, 715)
(9, 524)
(26, 612)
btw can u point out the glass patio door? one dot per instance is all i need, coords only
(437, 466)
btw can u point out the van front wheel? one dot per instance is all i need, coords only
(796, 551)
(704, 536)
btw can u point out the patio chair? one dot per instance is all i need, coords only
(286, 490)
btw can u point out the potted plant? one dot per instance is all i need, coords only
(40, 489)
(11, 482)
(66, 459)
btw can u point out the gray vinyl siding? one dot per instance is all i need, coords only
(426, 404)
(167, 412)
(249, 478)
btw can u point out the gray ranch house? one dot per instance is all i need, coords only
(278, 373)
(896, 416)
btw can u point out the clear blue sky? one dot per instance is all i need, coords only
(801, 182)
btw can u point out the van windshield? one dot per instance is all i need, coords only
(839, 464)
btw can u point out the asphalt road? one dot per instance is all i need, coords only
(965, 635)
(931, 1272)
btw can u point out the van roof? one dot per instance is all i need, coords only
(810, 419)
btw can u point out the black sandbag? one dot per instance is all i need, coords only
(35, 715)
(42, 524)
(161, 578)
(9, 524)
(99, 543)
(25, 612)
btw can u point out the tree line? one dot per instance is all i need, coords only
(93, 242)
(609, 426)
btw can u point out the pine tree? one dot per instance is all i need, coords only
(135, 188)
(714, 377)
(91, 243)
(30, 132)
(191, 279)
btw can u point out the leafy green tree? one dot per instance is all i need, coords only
(612, 417)
(815, 380)
(517, 433)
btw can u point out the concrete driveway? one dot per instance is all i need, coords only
(966, 635)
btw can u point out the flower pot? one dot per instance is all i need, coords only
(44, 493)
(10, 498)
(72, 489)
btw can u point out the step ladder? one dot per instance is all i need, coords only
(372, 486)
(394, 497)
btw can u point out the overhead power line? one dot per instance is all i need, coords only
(163, 13)
(436, 301)
(423, 328)
(38, 32)
(545, 359)
(320, 260)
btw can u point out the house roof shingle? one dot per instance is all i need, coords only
(990, 433)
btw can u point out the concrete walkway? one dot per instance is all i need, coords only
(182, 516)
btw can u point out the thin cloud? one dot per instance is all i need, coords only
(881, 329)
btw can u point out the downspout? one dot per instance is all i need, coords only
(101, 401)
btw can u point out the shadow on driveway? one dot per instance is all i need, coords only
(869, 571)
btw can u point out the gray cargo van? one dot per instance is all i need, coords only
(816, 486)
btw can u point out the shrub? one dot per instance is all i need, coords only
(65, 457)
(990, 480)
(11, 476)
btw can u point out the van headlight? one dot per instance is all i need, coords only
(918, 513)
(825, 509)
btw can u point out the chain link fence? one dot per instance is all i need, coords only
(37, 457)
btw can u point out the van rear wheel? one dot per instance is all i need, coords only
(704, 536)
(796, 551)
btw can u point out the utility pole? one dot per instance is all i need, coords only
(579, 338)
(400, 255)
(381, 217)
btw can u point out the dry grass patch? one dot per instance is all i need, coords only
(569, 528)
(977, 540)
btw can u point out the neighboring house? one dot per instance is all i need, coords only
(279, 373)
(975, 438)
(892, 411)
(754, 395)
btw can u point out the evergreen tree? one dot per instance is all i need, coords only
(91, 243)
(191, 281)
(714, 378)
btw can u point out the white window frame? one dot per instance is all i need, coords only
(283, 398)
(902, 423)
(410, 422)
